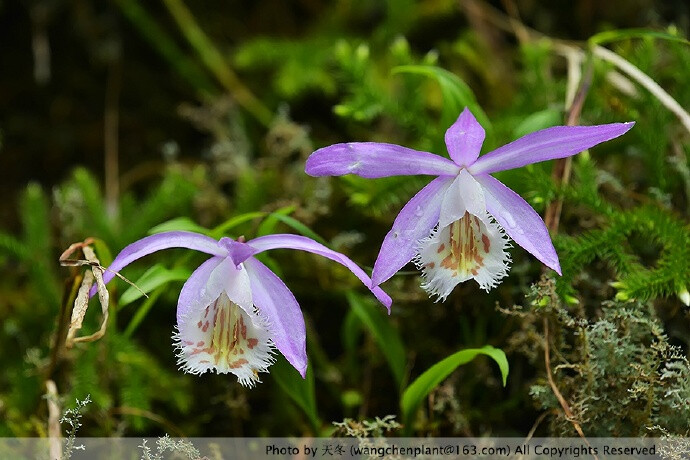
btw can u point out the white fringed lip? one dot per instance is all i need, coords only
(225, 338)
(472, 247)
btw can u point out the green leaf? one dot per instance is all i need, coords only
(538, 120)
(157, 37)
(36, 220)
(178, 224)
(432, 377)
(299, 227)
(300, 390)
(154, 277)
(12, 246)
(350, 332)
(386, 336)
(625, 34)
(233, 222)
(142, 312)
(105, 257)
(269, 223)
(456, 94)
(96, 216)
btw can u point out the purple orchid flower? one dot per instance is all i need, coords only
(233, 309)
(455, 228)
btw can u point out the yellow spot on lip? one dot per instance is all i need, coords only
(234, 341)
(463, 240)
(229, 336)
(471, 247)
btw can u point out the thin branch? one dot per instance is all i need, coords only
(537, 422)
(532, 430)
(40, 13)
(646, 81)
(516, 24)
(561, 400)
(137, 412)
(71, 289)
(187, 68)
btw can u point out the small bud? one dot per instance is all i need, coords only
(430, 58)
(684, 296)
(571, 300)
(622, 296)
(400, 47)
(362, 52)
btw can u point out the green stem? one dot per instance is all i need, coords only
(214, 61)
(166, 47)
(143, 311)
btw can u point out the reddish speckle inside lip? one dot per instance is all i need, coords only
(229, 342)
(468, 248)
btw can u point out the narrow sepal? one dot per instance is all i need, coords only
(373, 159)
(302, 243)
(414, 222)
(547, 144)
(519, 220)
(158, 242)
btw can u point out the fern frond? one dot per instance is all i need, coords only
(11, 246)
(35, 219)
(96, 216)
(668, 276)
(173, 197)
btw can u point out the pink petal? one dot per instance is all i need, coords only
(154, 243)
(278, 305)
(265, 243)
(414, 222)
(372, 159)
(519, 220)
(464, 139)
(196, 294)
(547, 144)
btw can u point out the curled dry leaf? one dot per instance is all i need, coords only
(81, 303)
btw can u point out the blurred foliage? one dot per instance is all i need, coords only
(622, 375)
(252, 102)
